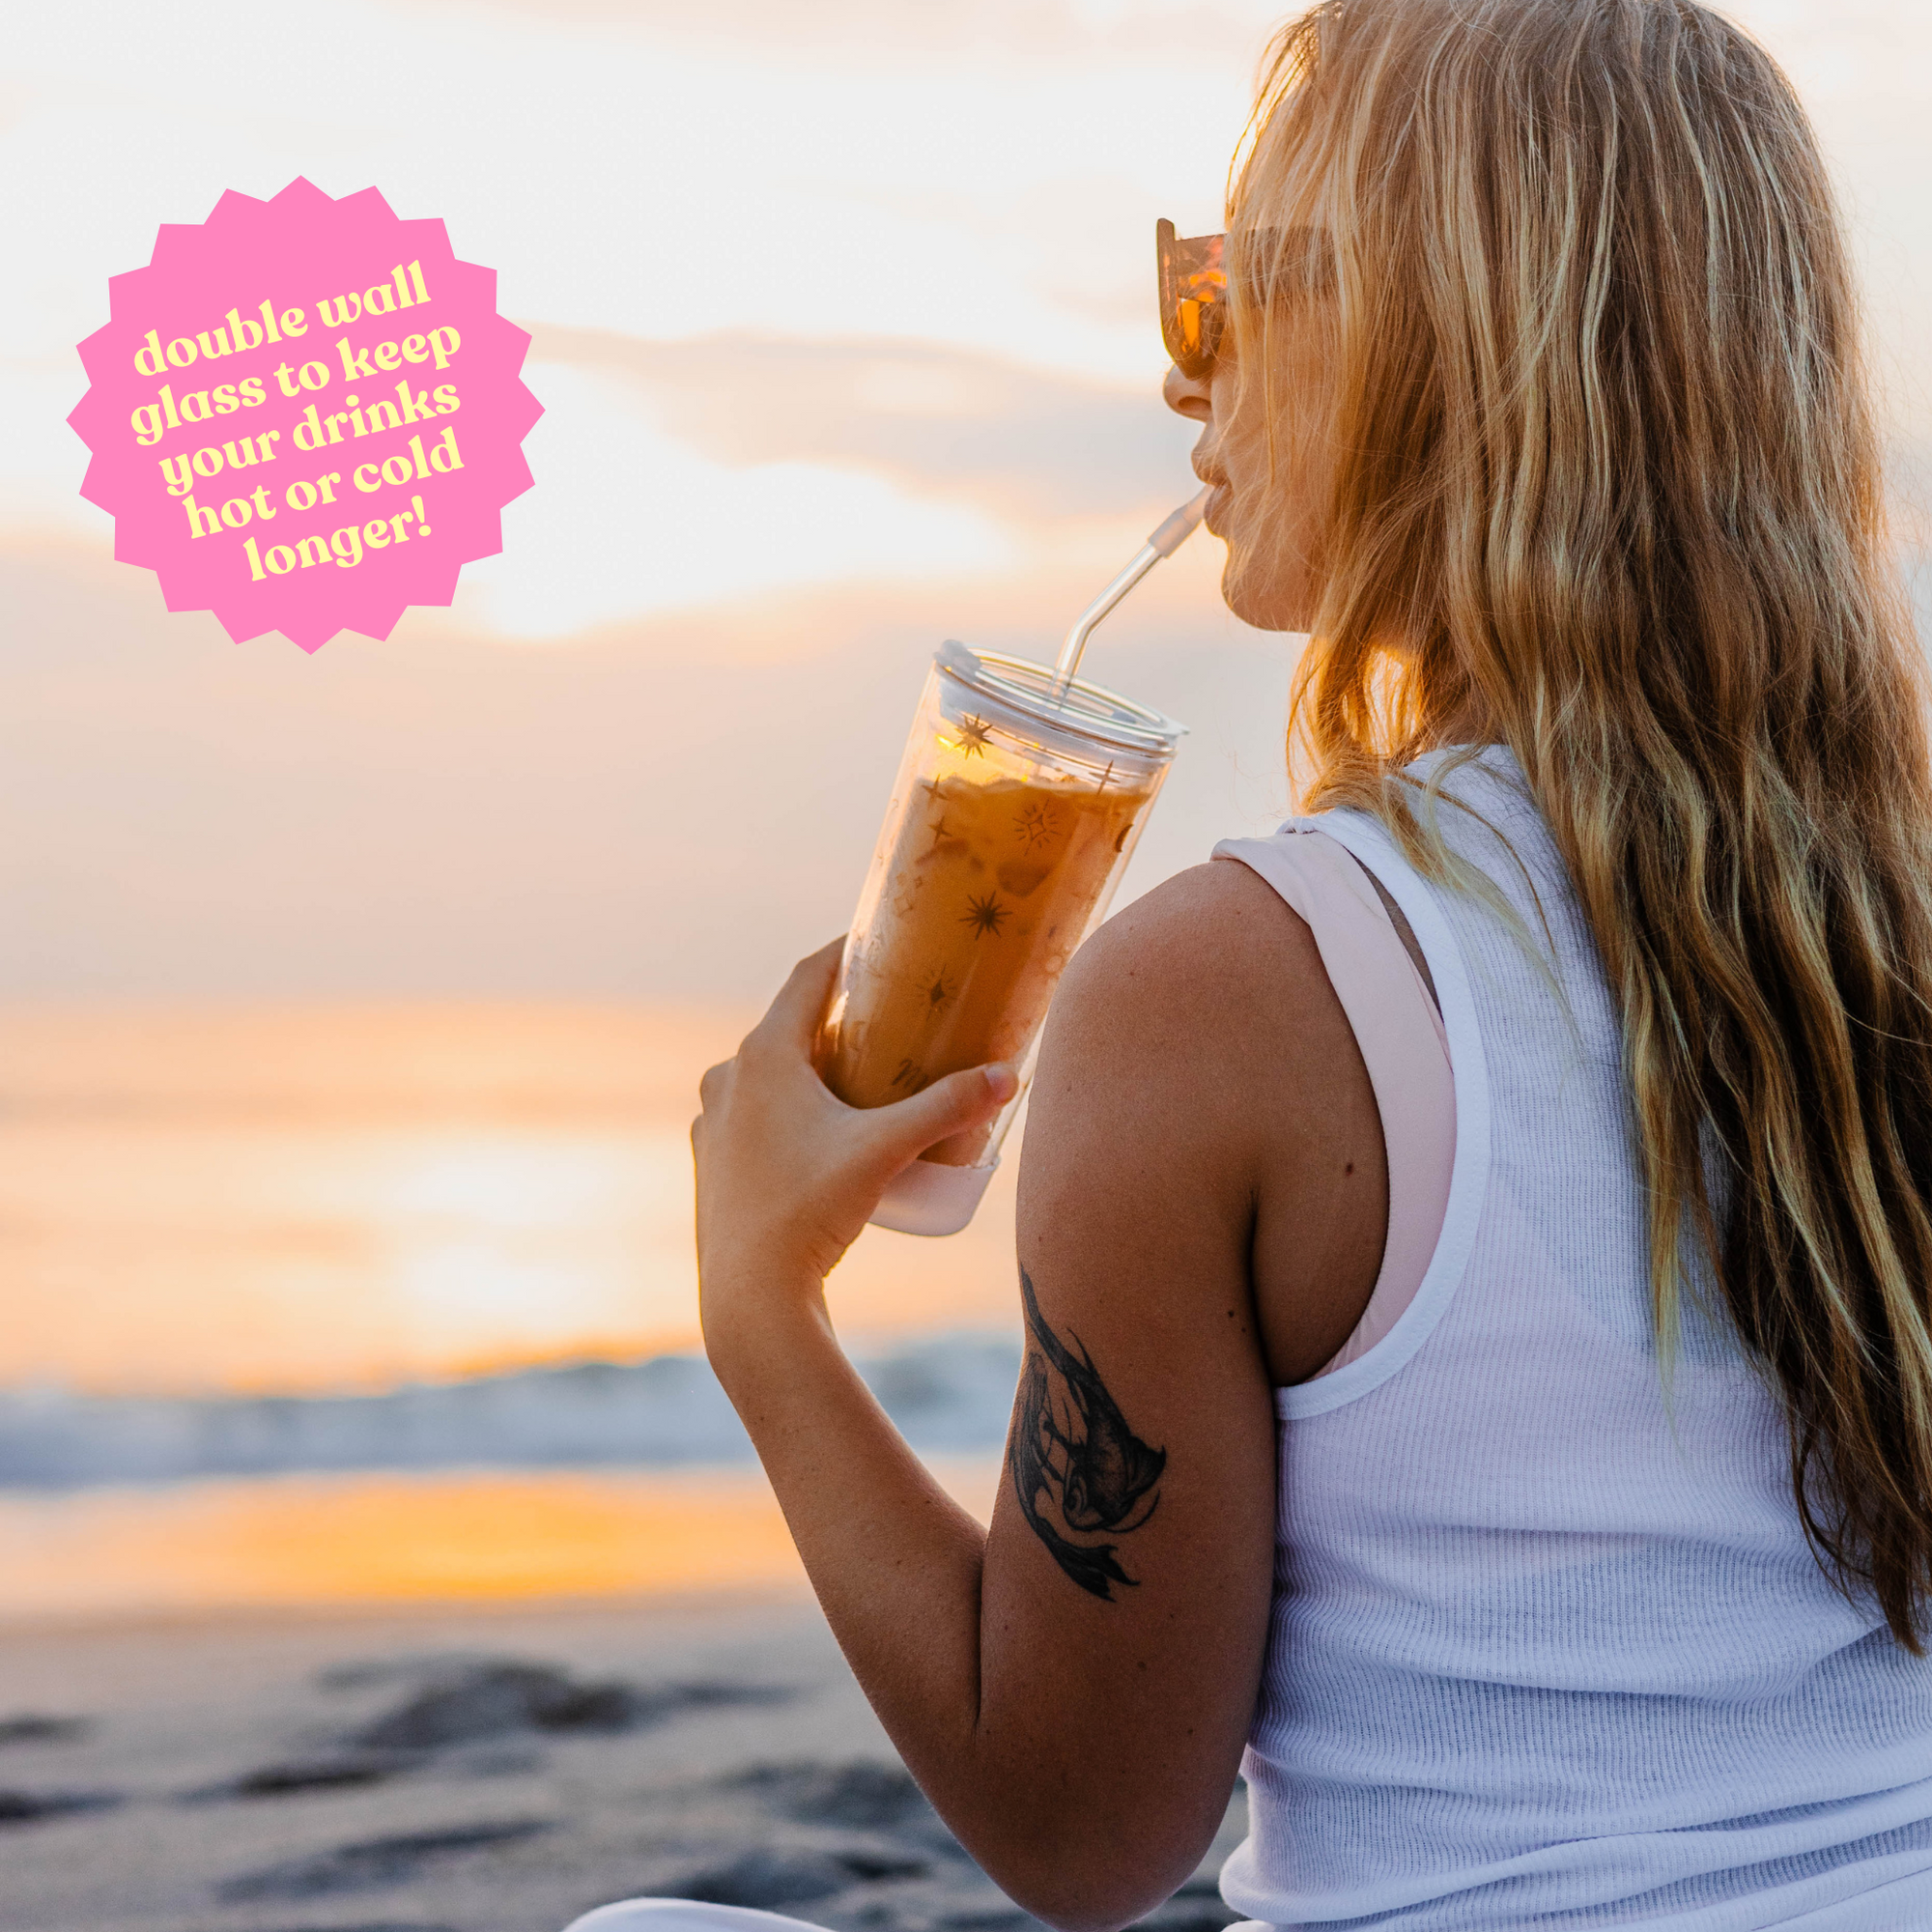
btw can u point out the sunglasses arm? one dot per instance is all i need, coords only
(1164, 542)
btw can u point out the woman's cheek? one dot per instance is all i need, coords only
(1265, 583)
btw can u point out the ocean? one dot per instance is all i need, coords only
(348, 1303)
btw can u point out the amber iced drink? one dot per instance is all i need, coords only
(1017, 807)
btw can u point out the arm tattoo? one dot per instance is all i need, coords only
(1077, 1466)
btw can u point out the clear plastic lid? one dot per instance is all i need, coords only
(1079, 715)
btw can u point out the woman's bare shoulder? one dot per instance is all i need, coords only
(1214, 955)
(1204, 1008)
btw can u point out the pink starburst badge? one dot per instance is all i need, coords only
(306, 414)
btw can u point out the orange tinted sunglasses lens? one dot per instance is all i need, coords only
(1193, 286)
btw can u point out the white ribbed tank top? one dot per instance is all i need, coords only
(1548, 1647)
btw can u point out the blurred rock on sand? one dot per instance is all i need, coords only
(470, 1770)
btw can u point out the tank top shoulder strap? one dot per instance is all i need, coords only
(1399, 1033)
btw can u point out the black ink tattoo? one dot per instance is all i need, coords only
(1073, 1455)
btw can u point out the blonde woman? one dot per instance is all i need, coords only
(1474, 1245)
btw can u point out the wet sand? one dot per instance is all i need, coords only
(467, 1770)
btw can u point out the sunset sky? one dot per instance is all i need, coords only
(843, 325)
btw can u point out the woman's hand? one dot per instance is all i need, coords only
(787, 1174)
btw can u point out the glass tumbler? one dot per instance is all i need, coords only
(1017, 806)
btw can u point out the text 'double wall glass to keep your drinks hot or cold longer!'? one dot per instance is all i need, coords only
(1017, 807)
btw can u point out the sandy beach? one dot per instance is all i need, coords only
(467, 1769)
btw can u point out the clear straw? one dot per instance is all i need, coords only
(1164, 542)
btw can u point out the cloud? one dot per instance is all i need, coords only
(944, 422)
(718, 472)
(726, 469)
(846, 31)
(622, 167)
(671, 808)
(628, 521)
(43, 461)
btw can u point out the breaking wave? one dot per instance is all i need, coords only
(947, 1393)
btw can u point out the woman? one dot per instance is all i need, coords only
(1575, 1572)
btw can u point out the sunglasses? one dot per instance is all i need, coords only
(1194, 285)
(1193, 297)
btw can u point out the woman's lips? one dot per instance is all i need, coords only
(1216, 503)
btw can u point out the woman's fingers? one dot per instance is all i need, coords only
(948, 1106)
(787, 1172)
(793, 1016)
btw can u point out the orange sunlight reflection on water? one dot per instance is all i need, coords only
(288, 1199)
(454, 1537)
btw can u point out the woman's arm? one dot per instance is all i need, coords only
(1072, 1690)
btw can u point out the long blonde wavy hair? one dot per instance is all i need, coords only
(1605, 478)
